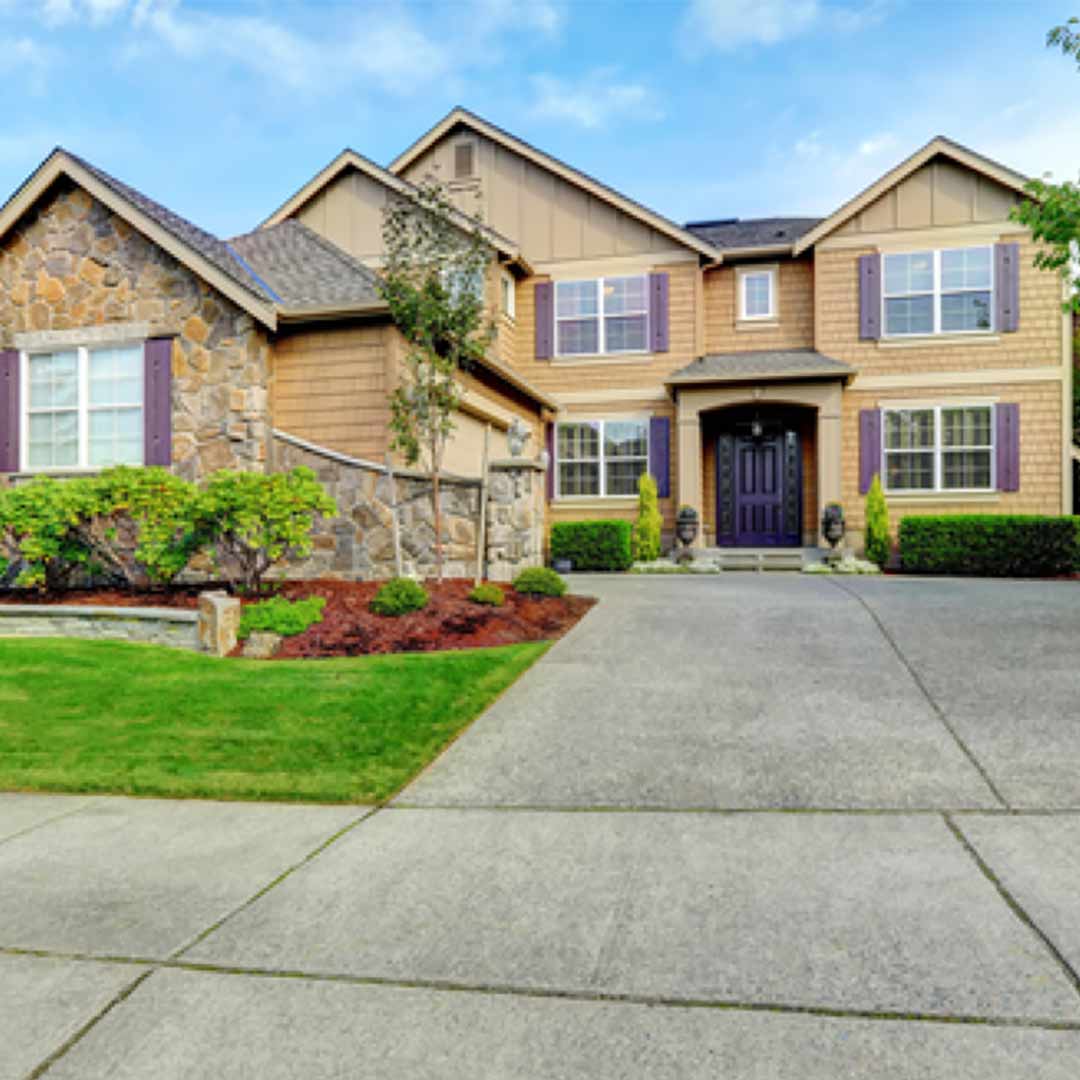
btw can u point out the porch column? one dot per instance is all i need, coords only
(689, 489)
(828, 454)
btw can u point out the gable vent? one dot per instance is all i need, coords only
(464, 165)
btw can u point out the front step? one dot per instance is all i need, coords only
(759, 559)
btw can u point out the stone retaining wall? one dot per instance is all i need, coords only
(157, 626)
(359, 543)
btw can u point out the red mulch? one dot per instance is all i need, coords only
(348, 628)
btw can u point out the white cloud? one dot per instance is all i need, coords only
(809, 146)
(730, 24)
(877, 144)
(59, 12)
(33, 61)
(592, 101)
(490, 16)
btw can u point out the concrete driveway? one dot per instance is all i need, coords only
(744, 826)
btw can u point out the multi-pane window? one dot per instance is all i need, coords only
(757, 294)
(939, 448)
(938, 292)
(607, 315)
(84, 408)
(601, 457)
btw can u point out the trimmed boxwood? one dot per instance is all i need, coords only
(985, 545)
(399, 596)
(539, 581)
(593, 545)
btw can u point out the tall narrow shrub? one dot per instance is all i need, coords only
(878, 541)
(649, 522)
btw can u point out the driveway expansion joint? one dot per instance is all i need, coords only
(49, 821)
(938, 711)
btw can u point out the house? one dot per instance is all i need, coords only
(759, 369)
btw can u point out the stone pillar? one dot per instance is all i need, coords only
(515, 510)
(219, 622)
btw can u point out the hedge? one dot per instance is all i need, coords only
(593, 545)
(990, 545)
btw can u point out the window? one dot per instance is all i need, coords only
(939, 448)
(608, 315)
(464, 158)
(757, 294)
(83, 408)
(509, 295)
(601, 457)
(938, 292)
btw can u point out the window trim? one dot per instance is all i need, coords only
(82, 409)
(601, 335)
(600, 459)
(507, 295)
(936, 293)
(938, 450)
(745, 272)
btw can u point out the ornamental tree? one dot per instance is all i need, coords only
(433, 282)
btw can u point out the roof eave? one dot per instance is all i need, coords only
(791, 375)
(322, 312)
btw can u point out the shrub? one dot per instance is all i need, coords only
(280, 616)
(138, 524)
(593, 545)
(540, 581)
(646, 539)
(254, 520)
(489, 594)
(878, 540)
(989, 545)
(38, 531)
(399, 596)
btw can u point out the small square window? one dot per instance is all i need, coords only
(757, 294)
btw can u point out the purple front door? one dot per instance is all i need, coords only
(765, 490)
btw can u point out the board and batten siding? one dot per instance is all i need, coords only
(349, 213)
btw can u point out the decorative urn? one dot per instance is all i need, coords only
(686, 530)
(832, 524)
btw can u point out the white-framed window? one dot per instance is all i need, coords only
(82, 408)
(601, 316)
(600, 458)
(757, 294)
(508, 295)
(950, 291)
(938, 448)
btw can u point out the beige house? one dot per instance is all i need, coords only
(759, 369)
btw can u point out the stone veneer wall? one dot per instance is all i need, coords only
(157, 626)
(358, 544)
(72, 265)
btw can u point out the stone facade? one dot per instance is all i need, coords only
(359, 543)
(74, 265)
(155, 626)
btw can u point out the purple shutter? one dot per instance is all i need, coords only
(9, 411)
(157, 401)
(1007, 442)
(869, 447)
(870, 297)
(1007, 288)
(658, 312)
(544, 292)
(660, 454)
(549, 439)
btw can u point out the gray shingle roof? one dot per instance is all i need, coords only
(206, 244)
(761, 364)
(754, 232)
(304, 270)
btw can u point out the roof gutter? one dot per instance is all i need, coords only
(332, 311)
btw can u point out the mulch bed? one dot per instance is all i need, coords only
(348, 628)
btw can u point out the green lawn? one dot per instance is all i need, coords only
(146, 720)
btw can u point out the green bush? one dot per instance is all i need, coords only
(539, 581)
(646, 538)
(488, 593)
(254, 520)
(280, 616)
(593, 545)
(989, 545)
(399, 596)
(878, 541)
(39, 534)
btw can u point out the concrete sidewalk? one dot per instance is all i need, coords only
(784, 829)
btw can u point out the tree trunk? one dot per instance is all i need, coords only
(437, 509)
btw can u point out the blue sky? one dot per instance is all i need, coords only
(700, 109)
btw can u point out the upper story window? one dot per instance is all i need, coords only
(939, 448)
(757, 294)
(600, 457)
(508, 294)
(83, 408)
(604, 315)
(938, 292)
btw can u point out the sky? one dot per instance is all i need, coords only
(699, 109)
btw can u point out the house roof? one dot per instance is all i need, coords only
(306, 273)
(939, 145)
(195, 248)
(761, 364)
(753, 235)
(460, 116)
(350, 159)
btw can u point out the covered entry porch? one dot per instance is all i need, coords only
(759, 445)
